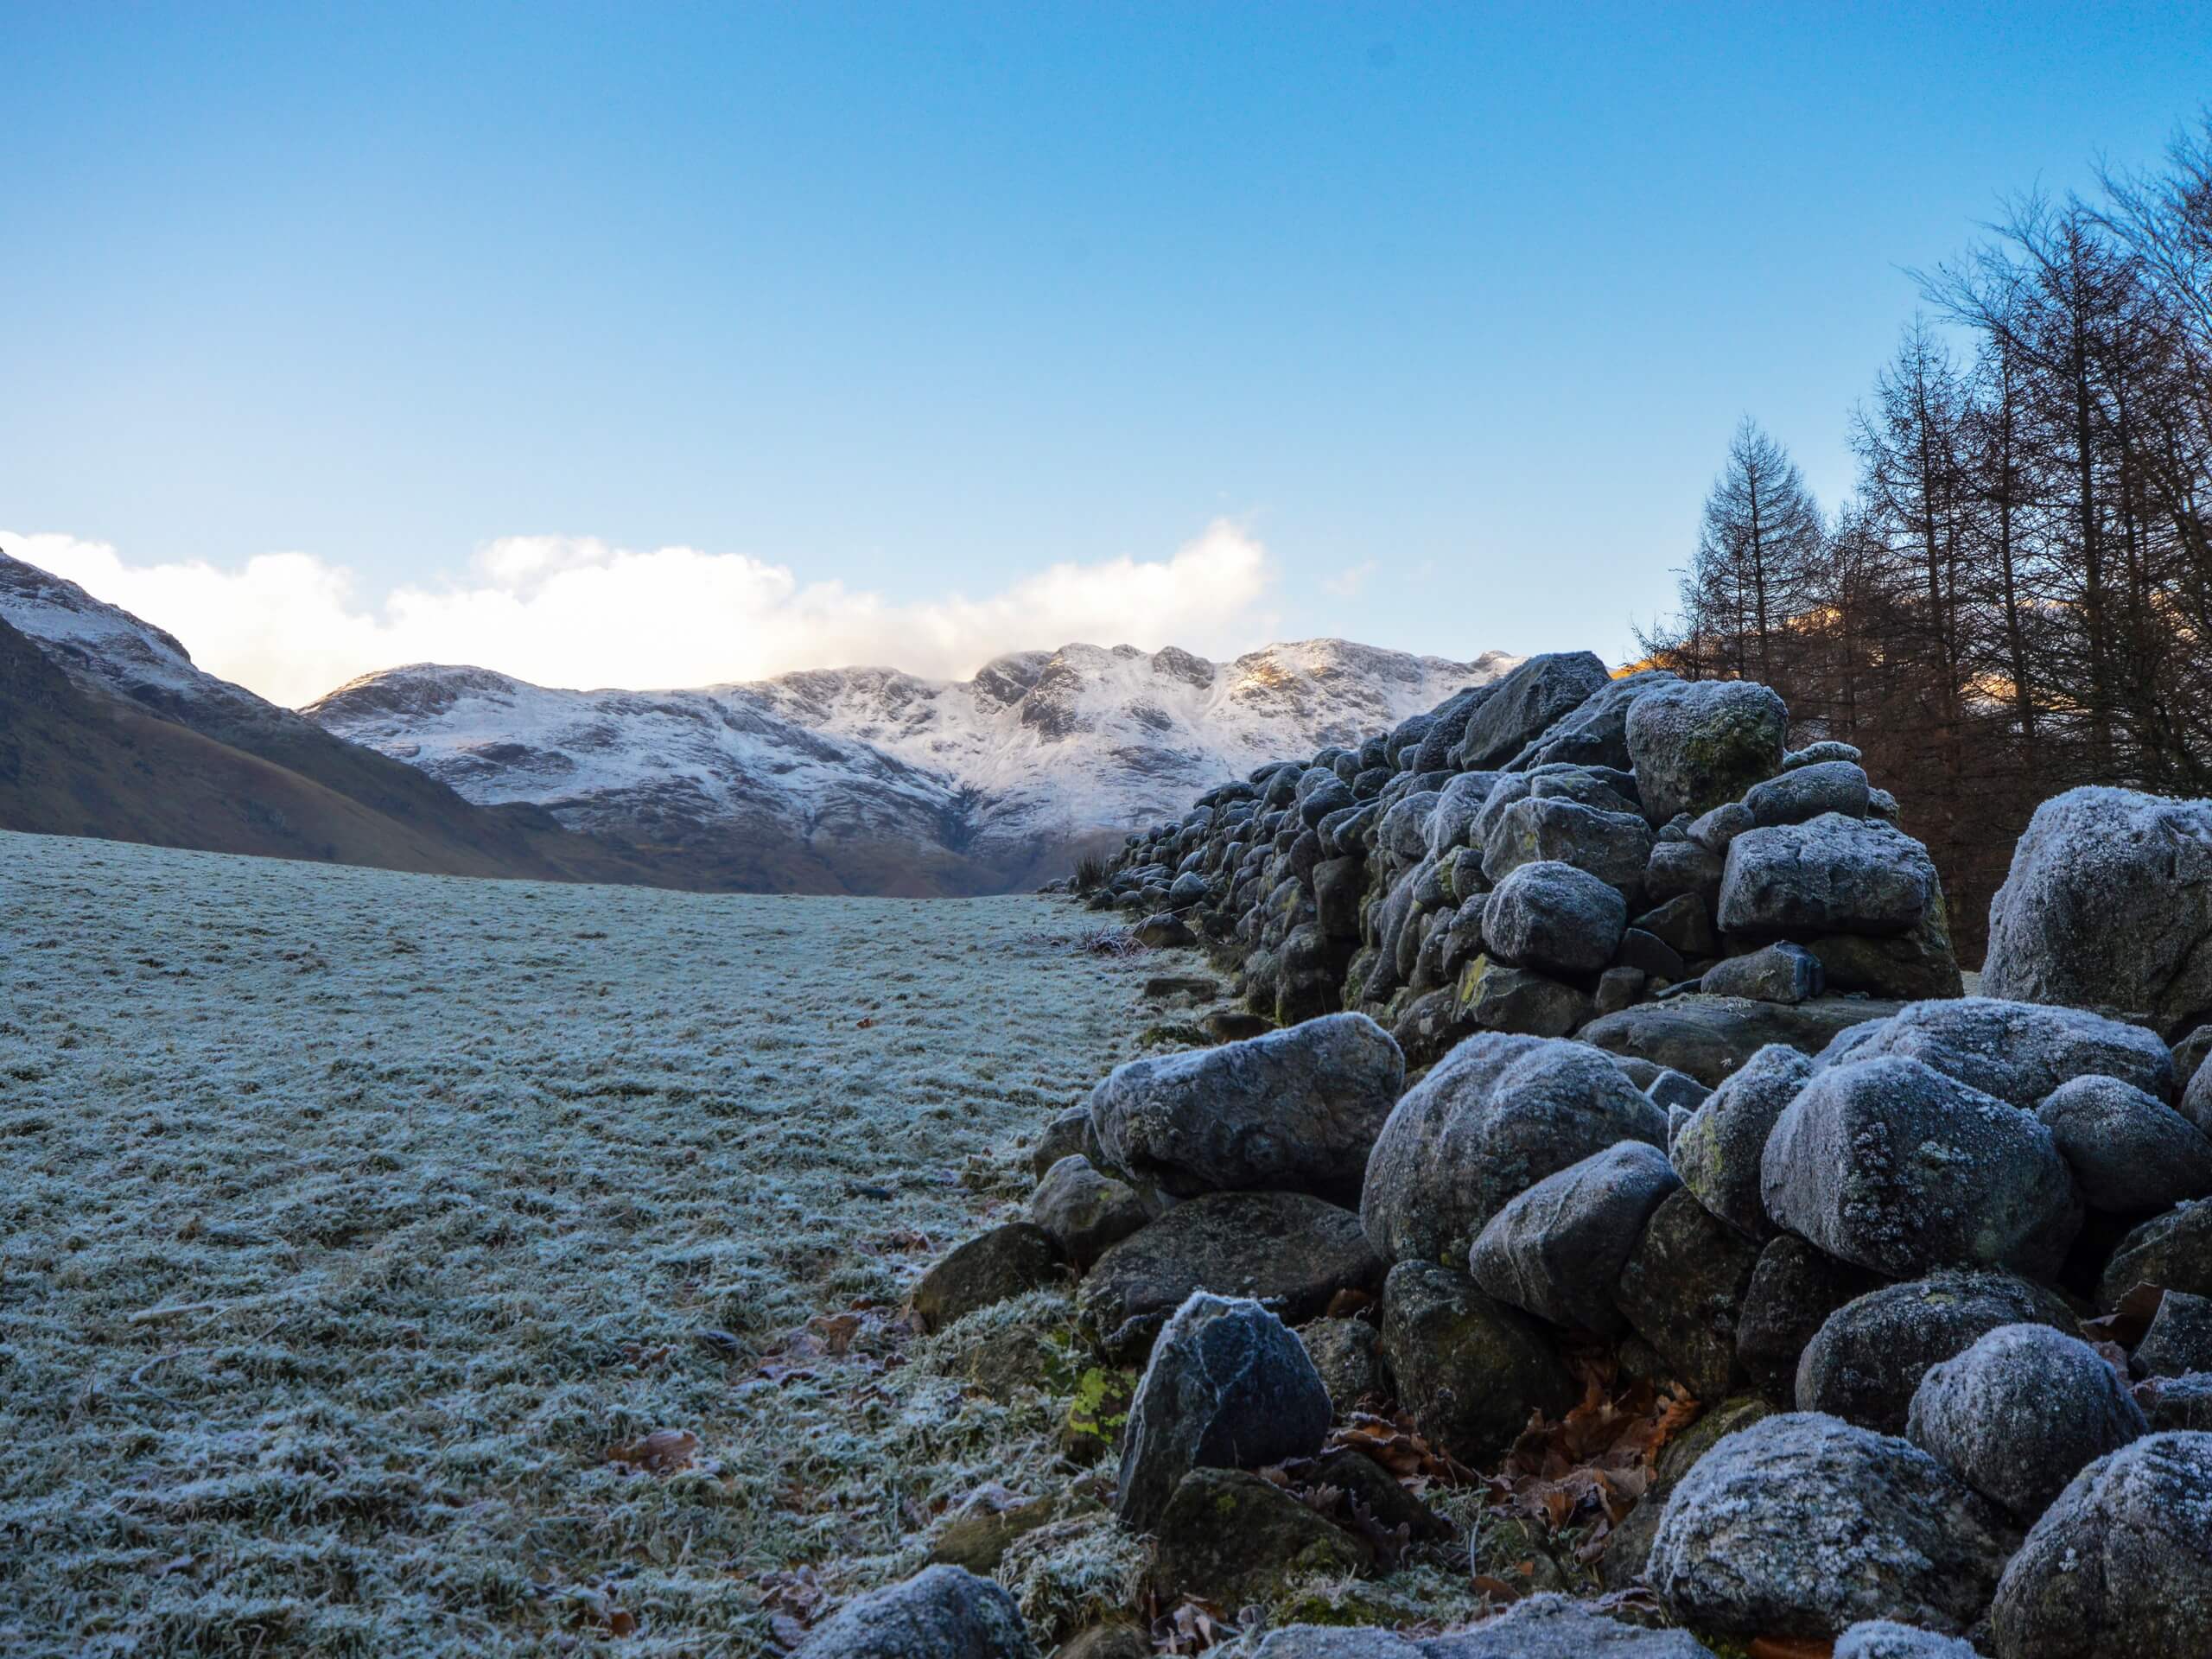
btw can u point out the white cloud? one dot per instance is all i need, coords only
(575, 611)
(1347, 583)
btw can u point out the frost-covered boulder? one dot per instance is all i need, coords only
(2130, 1152)
(1467, 1367)
(1556, 1249)
(1871, 1353)
(1494, 1117)
(2121, 1566)
(1777, 973)
(1495, 997)
(1452, 820)
(2020, 1411)
(2018, 1051)
(2108, 905)
(1227, 1387)
(1709, 1038)
(1882, 1638)
(1289, 1250)
(1806, 792)
(1294, 1111)
(1596, 733)
(1829, 874)
(1892, 1165)
(1615, 846)
(1538, 1627)
(942, 1612)
(1804, 1525)
(1525, 704)
(996, 1265)
(1554, 919)
(1083, 1211)
(1696, 745)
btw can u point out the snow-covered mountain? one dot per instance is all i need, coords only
(1041, 753)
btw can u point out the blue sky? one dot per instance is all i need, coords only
(1437, 319)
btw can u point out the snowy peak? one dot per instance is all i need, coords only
(1040, 751)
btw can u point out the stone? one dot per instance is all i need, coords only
(1720, 1151)
(1671, 1090)
(1227, 1387)
(1682, 1290)
(1294, 1111)
(1882, 1638)
(1595, 732)
(1792, 1292)
(1116, 1640)
(1467, 1367)
(1829, 874)
(1891, 1164)
(1713, 830)
(1628, 1547)
(1695, 745)
(2130, 1152)
(1448, 725)
(2171, 1402)
(1338, 885)
(1069, 1132)
(2173, 1250)
(1188, 888)
(1343, 1352)
(1683, 869)
(1289, 1250)
(1432, 1026)
(1555, 919)
(1554, 1626)
(1164, 932)
(1618, 989)
(1520, 1000)
(1085, 1213)
(1615, 846)
(1871, 1353)
(2108, 905)
(2018, 1051)
(1709, 1038)
(2020, 1411)
(1005, 1261)
(2121, 1566)
(977, 1535)
(1230, 1537)
(2189, 1056)
(1917, 964)
(1650, 955)
(1803, 1526)
(1526, 704)
(1494, 1117)
(1806, 792)
(1778, 973)
(2179, 1339)
(1556, 1249)
(942, 1612)
(1685, 923)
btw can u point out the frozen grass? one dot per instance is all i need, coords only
(349, 1220)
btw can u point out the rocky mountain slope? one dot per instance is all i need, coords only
(108, 729)
(883, 781)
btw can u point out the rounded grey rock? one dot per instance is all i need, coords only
(2121, 1566)
(1555, 919)
(1294, 1110)
(2018, 1415)
(1804, 1525)
(2130, 1152)
(1556, 1249)
(1829, 874)
(1882, 1638)
(1891, 1164)
(1495, 1116)
(1694, 744)
(1868, 1359)
(942, 1612)
(2018, 1051)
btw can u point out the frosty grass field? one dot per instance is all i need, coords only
(352, 1222)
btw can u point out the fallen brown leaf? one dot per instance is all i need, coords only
(661, 1453)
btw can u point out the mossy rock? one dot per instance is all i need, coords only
(1098, 1410)
(1234, 1538)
